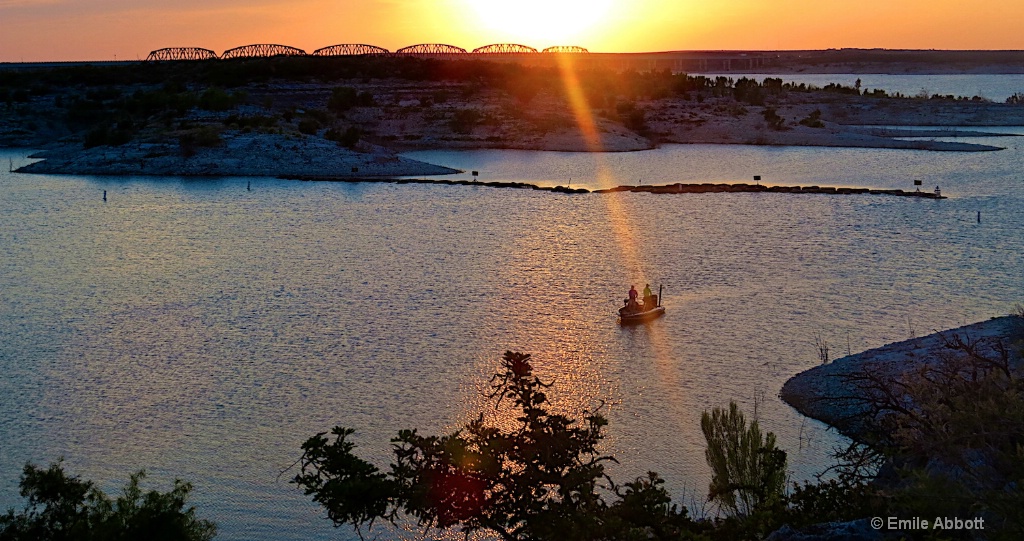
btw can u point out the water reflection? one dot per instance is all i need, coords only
(203, 331)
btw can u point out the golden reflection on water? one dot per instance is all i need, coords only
(623, 225)
(562, 344)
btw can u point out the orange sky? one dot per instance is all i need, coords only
(36, 30)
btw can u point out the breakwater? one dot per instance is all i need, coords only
(757, 188)
(677, 188)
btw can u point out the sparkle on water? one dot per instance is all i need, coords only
(203, 331)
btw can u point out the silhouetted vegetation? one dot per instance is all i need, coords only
(344, 98)
(773, 119)
(62, 508)
(544, 478)
(813, 120)
(951, 433)
(539, 480)
(348, 137)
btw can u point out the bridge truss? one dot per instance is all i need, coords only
(262, 50)
(439, 49)
(181, 53)
(504, 48)
(350, 49)
(571, 49)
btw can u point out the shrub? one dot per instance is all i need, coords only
(348, 138)
(537, 480)
(62, 507)
(813, 120)
(216, 99)
(344, 98)
(773, 119)
(308, 126)
(748, 471)
(464, 120)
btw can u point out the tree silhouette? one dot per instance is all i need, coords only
(543, 479)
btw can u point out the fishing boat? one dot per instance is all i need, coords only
(635, 312)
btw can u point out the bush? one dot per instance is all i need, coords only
(773, 119)
(348, 138)
(464, 120)
(813, 120)
(308, 126)
(66, 508)
(216, 99)
(748, 471)
(344, 98)
(537, 480)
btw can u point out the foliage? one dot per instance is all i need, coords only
(773, 119)
(348, 138)
(537, 481)
(106, 135)
(464, 120)
(190, 141)
(217, 99)
(748, 471)
(633, 117)
(344, 98)
(813, 120)
(308, 126)
(250, 121)
(747, 90)
(66, 508)
(954, 432)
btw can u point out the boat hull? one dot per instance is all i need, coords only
(646, 315)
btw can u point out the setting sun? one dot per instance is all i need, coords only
(551, 22)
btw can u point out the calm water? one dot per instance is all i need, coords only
(993, 87)
(203, 331)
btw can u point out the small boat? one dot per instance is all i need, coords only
(650, 309)
(642, 315)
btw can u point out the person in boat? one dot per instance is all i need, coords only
(631, 303)
(648, 300)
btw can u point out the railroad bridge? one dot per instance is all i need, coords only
(675, 61)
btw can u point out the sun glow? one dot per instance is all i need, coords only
(546, 22)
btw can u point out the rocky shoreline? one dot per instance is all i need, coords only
(351, 118)
(261, 154)
(828, 392)
(251, 154)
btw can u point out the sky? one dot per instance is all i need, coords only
(53, 30)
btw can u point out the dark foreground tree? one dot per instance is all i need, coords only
(544, 479)
(66, 508)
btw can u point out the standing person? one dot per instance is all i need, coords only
(647, 296)
(632, 295)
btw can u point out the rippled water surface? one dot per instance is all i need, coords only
(203, 331)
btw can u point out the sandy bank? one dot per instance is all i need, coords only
(250, 154)
(826, 393)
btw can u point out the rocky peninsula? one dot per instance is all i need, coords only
(352, 116)
(834, 393)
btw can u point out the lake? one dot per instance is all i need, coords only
(201, 330)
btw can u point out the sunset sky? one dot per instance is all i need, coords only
(38, 30)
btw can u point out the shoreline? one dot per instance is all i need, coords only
(824, 392)
(253, 154)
